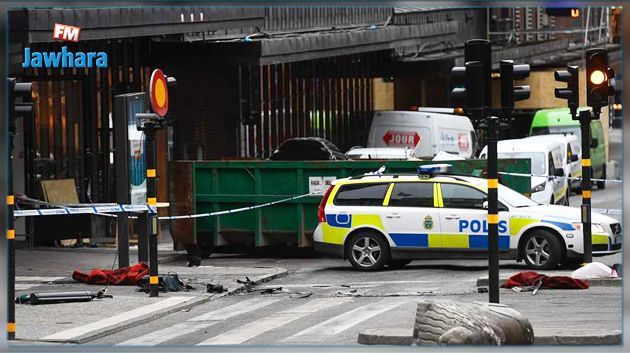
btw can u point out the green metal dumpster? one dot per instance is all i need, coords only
(209, 186)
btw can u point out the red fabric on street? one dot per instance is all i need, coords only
(122, 276)
(529, 278)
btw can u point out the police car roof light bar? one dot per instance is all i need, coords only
(433, 169)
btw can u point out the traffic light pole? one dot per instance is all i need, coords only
(585, 122)
(150, 123)
(11, 233)
(493, 210)
(153, 220)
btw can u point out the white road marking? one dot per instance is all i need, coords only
(26, 286)
(361, 285)
(340, 323)
(258, 327)
(36, 279)
(116, 319)
(198, 323)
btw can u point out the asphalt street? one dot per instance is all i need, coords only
(325, 302)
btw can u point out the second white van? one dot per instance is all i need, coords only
(571, 155)
(548, 184)
(427, 132)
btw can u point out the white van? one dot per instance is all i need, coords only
(546, 164)
(426, 132)
(571, 155)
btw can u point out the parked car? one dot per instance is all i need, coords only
(546, 165)
(307, 149)
(375, 221)
(559, 121)
(427, 132)
(390, 153)
(571, 155)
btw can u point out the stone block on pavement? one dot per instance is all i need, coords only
(446, 322)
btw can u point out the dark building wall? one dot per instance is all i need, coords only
(204, 108)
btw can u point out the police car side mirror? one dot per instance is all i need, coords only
(485, 205)
(574, 158)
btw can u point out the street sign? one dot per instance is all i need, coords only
(401, 138)
(158, 93)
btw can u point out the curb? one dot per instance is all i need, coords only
(600, 282)
(404, 337)
(281, 272)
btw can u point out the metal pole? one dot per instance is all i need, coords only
(493, 211)
(11, 232)
(141, 227)
(123, 239)
(585, 121)
(153, 221)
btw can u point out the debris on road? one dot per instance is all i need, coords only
(531, 279)
(215, 288)
(66, 297)
(594, 270)
(170, 282)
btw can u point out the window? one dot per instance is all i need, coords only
(461, 196)
(538, 160)
(412, 195)
(361, 195)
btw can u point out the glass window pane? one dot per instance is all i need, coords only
(361, 195)
(412, 195)
(461, 196)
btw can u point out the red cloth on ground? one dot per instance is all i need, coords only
(122, 276)
(529, 278)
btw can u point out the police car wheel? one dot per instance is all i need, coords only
(398, 263)
(542, 250)
(368, 251)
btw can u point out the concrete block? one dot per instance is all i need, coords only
(447, 322)
(394, 337)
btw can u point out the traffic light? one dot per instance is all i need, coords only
(509, 92)
(472, 95)
(481, 50)
(20, 96)
(598, 76)
(572, 92)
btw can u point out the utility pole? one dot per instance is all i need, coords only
(16, 91)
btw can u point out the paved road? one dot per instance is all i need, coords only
(324, 302)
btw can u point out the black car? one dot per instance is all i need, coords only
(308, 149)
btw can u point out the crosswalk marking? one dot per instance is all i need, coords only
(38, 279)
(116, 319)
(258, 327)
(344, 321)
(199, 322)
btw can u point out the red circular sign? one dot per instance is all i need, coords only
(158, 91)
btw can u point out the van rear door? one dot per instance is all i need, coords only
(402, 135)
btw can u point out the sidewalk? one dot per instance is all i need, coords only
(50, 269)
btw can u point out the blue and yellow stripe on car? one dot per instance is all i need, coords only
(338, 226)
(446, 241)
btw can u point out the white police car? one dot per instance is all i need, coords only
(379, 220)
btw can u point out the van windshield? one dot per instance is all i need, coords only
(548, 130)
(538, 160)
